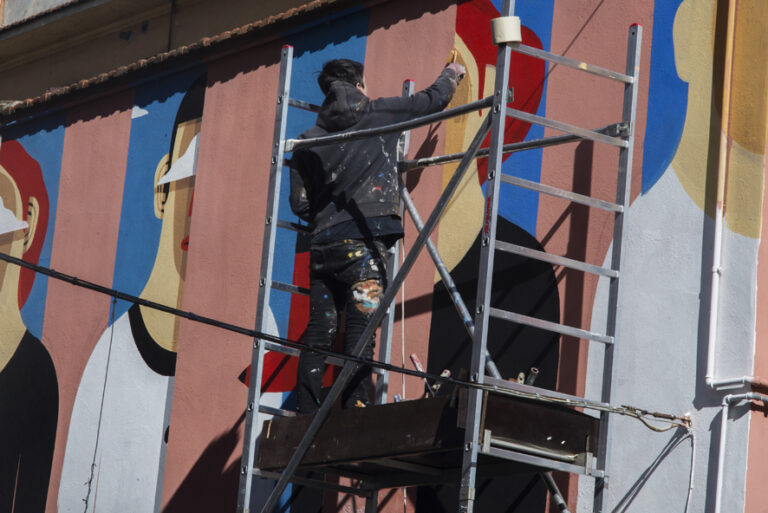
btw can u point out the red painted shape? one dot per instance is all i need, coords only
(526, 75)
(28, 176)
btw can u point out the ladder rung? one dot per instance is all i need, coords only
(538, 461)
(560, 193)
(573, 400)
(556, 259)
(301, 104)
(550, 326)
(567, 128)
(537, 451)
(271, 410)
(293, 226)
(572, 63)
(287, 287)
(290, 351)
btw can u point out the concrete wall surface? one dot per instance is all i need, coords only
(18, 10)
(111, 406)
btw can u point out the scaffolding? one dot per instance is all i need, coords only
(484, 443)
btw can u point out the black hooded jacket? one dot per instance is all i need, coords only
(357, 180)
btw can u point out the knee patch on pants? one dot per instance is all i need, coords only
(367, 295)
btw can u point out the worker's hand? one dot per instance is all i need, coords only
(458, 69)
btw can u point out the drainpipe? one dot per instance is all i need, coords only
(722, 178)
(729, 400)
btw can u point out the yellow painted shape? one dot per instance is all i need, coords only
(11, 325)
(745, 188)
(463, 217)
(696, 160)
(749, 102)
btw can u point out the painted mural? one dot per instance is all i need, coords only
(27, 374)
(142, 411)
(119, 426)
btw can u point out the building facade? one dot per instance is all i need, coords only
(136, 140)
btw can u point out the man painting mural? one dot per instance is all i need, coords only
(349, 194)
(29, 397)
(119, 427)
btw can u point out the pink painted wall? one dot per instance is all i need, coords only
(203, 456)
(89, 200)
(596, 32)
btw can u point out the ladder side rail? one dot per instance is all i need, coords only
(623, 189)
(389, 295)
(544, 142)
(252, 429)
(573, 63)
(472, 422)
(295, 144)
(388, 324)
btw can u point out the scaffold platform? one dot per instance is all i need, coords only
(421, 442)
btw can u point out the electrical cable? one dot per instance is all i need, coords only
(640, 414)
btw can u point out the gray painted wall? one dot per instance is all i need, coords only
(661, 358)
(17, 10)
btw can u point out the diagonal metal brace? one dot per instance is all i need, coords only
(389, 296)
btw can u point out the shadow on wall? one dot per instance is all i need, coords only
(211, 473)
(706, 397)
(626, 501)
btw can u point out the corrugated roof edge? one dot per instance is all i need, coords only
(10, 108)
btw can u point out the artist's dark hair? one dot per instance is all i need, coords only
(345, 70)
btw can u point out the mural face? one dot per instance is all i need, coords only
(27, 434)
(120, 421)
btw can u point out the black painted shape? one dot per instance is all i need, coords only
(156, 357)
(520, 285)
(29, 406)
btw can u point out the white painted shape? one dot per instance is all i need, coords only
(8, 221)
(184, 167)
(661, 353)
(138, 112)
(130, 434)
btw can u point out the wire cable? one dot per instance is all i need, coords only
(630, 411)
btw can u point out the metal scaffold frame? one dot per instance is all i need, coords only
(483, 374)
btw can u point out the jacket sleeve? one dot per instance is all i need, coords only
(305, 174)
(432, 99)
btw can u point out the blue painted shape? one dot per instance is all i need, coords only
(313, 45)
(667, 98)
(44, 141)
(521, 206)
(150, 140)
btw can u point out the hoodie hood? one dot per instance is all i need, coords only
(343, 107)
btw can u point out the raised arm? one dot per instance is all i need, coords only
(432, 99)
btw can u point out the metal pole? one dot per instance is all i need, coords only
(295, 144)
(488, 245)
(406, 165)
(624, 182)
(450, 285)
(349, 367)
(252, 418)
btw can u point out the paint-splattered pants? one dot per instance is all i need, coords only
(348, 276)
